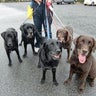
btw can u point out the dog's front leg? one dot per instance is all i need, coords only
(32, 45)
(54, 76)
(20, 44)
(43, 76)
(10, 62)
(25, 50)
(20, 60)
(68, 54)
(70, 76)
(83, 82)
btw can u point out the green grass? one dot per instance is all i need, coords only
(81, 1)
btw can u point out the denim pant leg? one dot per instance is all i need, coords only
(50, 31)
(38, 24)
(45, 28)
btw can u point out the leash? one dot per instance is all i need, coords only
(54, 22)
(47, 23)
(56, 16)
(29, 16)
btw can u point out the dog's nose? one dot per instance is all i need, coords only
(58, 51)
(84, 51)
(9, 44)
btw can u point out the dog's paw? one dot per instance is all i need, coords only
(38, 66)
(20, 44)
(20, 60)
(35, 53)
(91, 84)
(55, 83)
(67, 82)
(24, 56)
(10, 64)
(81, 89)
(42, 81)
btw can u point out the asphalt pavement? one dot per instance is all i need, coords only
(24, 79)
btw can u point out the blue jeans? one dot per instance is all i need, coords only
(38, 21)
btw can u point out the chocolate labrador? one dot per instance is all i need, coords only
(11, 43)
(65, 36)
(49, 56)
(82, 61)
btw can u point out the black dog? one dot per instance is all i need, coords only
(11, 43)
(49, 56)
(29, 32)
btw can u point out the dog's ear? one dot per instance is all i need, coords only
(57, 33)
(3, 35)
(15, 34)
(94, 45)
(67, 34)
(75, 41)
(22, 29)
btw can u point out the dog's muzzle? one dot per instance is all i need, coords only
(9, 43)
(30, 35)
(56, 55)
(82, 55)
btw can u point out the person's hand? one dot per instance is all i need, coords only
(49, 3)
(38, 1)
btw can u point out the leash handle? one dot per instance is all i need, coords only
(30, 14)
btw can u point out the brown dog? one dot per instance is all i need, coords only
(65, 36)
(82, 62)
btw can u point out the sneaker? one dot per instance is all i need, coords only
(37, 45)
(36, 49)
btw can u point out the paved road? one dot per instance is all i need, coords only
(24, 79)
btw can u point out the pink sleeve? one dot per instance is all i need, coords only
(48, 3)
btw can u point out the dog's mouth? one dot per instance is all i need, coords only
(29, 36)
(82, 55)
(61, 39)
(82, 58)
(56, 56)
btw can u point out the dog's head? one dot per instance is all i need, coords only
(84, 46)
(9, 36)
(27, 29)
(64, 34)
(52, 49)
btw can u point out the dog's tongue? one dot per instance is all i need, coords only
(57, 56)
(82, 58)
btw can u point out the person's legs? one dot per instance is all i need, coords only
(50, 23)
(38, 24)
(45, 26)
(50, 33)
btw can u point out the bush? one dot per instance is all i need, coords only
(14, 0)
(81, 1)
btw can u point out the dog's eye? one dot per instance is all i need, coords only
(58, 38)
(83, 41)
(52, 43)
(57, 42)
(89, 42)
